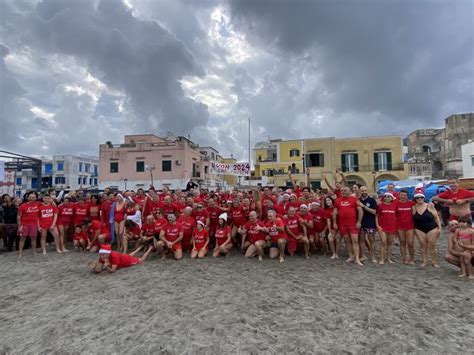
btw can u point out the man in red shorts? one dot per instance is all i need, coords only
(297, 233)
(48, 216)
(111, 261)
(350, 215)
(27, 220)
(170, 238)
(457, 199)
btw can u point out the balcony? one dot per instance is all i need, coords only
(370, 168)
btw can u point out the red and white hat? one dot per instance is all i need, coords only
(105, 249)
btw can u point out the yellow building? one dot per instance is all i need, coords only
(365, 161)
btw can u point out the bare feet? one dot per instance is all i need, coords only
(333, 257)
(436, 266)
(423, 265)
(462, 275)
(65, 250)
(359, 263)
(260, 258)
(44, 252)
(364, 258)
(381, 262)
(374, 260)
(59, 251)
(350, 260)
(282, 259)
(390, 261)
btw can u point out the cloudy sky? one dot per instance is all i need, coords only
(77, 73)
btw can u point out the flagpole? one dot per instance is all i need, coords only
(250, 161)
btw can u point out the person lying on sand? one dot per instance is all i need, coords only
(465, 239)
(111, 261)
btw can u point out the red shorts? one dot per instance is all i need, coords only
(199, 247)
(345, 230)
(177, 246)
(65, 223)
(29, 231)
(388, 230)
(292, 245)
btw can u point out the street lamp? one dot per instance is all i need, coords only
(125, 183)
(150, 168)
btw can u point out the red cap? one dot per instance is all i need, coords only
(105, 249)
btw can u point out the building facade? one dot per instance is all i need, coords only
(144, 160)
(70, 171)
(467, 153)
(365, 161)
(436, 153)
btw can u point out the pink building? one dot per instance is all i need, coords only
(147, 159)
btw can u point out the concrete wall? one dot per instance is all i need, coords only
(467, 152)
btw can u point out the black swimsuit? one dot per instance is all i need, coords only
(424, 222)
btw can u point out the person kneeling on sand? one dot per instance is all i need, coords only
(275, 228)
(465, 241)
(200, 241)
(223, 235)
(111, 261)
(454, 252)
(171, 236)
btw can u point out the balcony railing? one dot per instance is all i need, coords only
(370, 168)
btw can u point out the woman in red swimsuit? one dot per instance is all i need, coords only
(119, 219)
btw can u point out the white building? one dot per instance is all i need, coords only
(467, 153)
(70, 171)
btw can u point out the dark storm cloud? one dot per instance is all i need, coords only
(139, 57)
(408, 61)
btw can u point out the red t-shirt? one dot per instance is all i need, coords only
(81, 212)
(105, 209)
(328, 215)
(307, 218)
(151, 207)
(200, 238)
(459, 195)
(201, 215)
(65, 213)
(293, 225)
(253, 234)
(404, 214)
(172, 231)
(47, 215)
(135, 230)
(97, 226)
(29, 213)
(387, 217)
(319, 220)
(214, 213)
(276, 234)
(121, 260)
(148, 229)
(238, 217)
(188, 223)
(79, 236)
(159, 224)
(347, 210)
(169, 209)
(221, 235)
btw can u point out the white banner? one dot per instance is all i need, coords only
(239, 169)
(2, 170)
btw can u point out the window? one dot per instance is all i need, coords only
(206, 169)
(59, 180)
(350, 162)
(382, 161)
(48, 168)
(294, 153)
(96, 170)
(60, 166)
(84, 180)
(34, 183)
(79, 180)
(314, 159)
(114, 167)
(425, 168)
(212, 155)
(259, 158)
(413, 169)
(270, 172)
(90, 181)
(140, 166)
(166, 165)
(315, 184)
(80, 167)
(472, 160)
(95, 181)
(194, 170)
(18, 181)
(88, 168)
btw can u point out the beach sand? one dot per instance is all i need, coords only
(54, 304)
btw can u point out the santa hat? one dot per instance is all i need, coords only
(201, 223)
(419, 194)
(105, 249)
(223, 216)
(389, 194)
(303, 206)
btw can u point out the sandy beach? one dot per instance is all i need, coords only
(54, 304)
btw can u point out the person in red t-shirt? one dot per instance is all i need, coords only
(349, 214)
(319, 225)
(405, 227)
(237, 216)
(223, 237)
(275, 228)
(253, 237)
(188, 222)
(391, 189)
(334, 238)
(132, 233)
(200, 241)
(98, 234)
(170, 238)
(111, 261)
(65, 213)
(387, 226)
(307, 218)
(27, 220)
(214, 213)
(297, 233)
(167, 206)
(458, 200)
(80, 238)
(201, 214)
(48, 216)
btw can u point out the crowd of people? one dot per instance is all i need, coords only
(267, 221)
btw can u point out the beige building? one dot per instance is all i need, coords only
(364, 161)
(144, 160)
